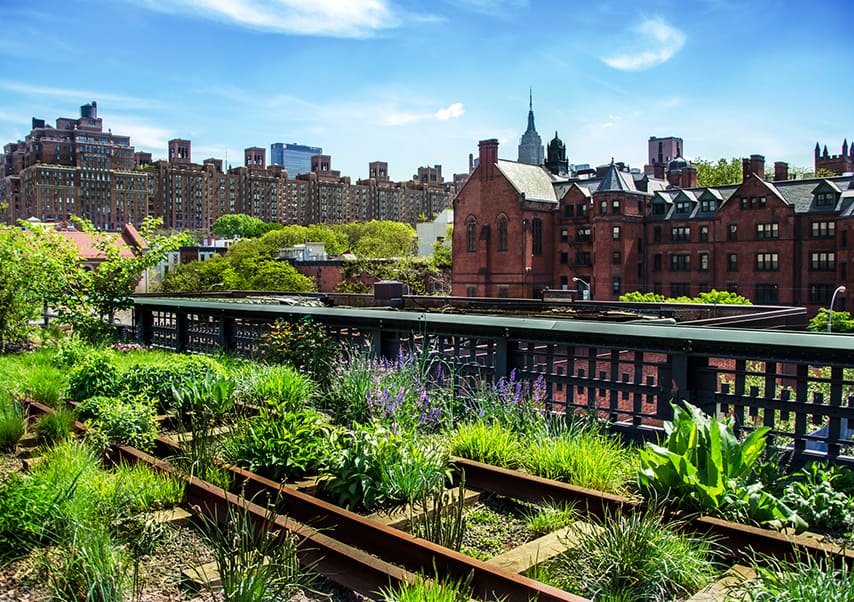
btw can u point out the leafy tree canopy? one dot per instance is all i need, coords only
(842, 321)
(240, 225)
(718, 173)
(712, 297)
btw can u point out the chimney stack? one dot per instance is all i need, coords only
(745, 169)
(488, 158)
(781, 171)
(757, 166)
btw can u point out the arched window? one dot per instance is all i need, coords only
(471, 234)
(502, 232)
(537, 236)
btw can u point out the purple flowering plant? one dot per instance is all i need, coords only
(511, 401)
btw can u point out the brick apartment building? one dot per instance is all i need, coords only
(520, 229)
(76, 168)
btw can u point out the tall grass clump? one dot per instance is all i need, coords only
(55, 427)
(490, 443)
(550, 517)
(13, 423)
(804, 578)
(255, 562)
(429, 589)
(277, 386)
(44, 383)
(635, 556)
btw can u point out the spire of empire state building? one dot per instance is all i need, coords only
(531, 149)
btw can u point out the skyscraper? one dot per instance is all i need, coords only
(531, 146)
(295, 157)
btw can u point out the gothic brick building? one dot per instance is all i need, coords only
(520, 229)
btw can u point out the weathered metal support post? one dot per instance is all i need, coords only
(180, 330)
(143, 316)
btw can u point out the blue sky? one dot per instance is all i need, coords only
(419, 83)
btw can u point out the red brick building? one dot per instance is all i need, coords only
(519, 229)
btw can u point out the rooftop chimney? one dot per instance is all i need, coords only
(781, 171)
(757, 166)
(488, 158)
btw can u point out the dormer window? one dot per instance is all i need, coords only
(683, 206)
(708, 205)
(825, 199)
(659, 209)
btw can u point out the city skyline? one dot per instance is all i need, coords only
(372, 80)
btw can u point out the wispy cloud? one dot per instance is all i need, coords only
(333, 18)
(664, 40)
(76, 95)
(143, 135)
(452, 112)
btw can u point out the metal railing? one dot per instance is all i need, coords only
(799, 384)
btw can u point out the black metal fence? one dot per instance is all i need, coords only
(799, 384)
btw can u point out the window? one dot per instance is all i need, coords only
(732, 262)
(704, 233)
(615, 206)
(582, 234)
(471, 291)
(680, 233)
(471, 236)
(825, 199)
(680, 263)
(617, 258)
(843, 240)
(616, 283)
(581, 210)
(767, 231)
(615, 233)
(683, 206)
(767, 262)
(656, 262)
(659, 209)
(823, 261)
(753, 202)
(567, 210)
(823, 230)
(564, 257)
(704, 262)
(708, 205)
(656, 234)
(537, 236)
(843, 271)
(503, 292)
(564, 283)
(564, 235)
(603, 207)
(502, 233)
(732, 233)
(821, 294)
(583, 258)
(766, 294)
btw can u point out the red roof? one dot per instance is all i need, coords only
(127, 242)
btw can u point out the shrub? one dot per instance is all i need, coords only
(126, 422)
(491, 443)
(281, 446)
(281, 387)
(93, 407)
(823, 495)
(157, 382)
(706, 467)
(95, 375)
(634, 556)
(304, 344)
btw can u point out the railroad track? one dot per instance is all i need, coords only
(366, 555)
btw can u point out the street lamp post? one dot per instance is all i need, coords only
(839, 289)
(586, 284)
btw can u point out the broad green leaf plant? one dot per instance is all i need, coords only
(707, 468)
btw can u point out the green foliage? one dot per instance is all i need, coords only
(491, 443)
(635, 556)
(125, 422)
(240, 225)
(511, 401)
(55, 427)
(720, 173)
(704, 465)
(823, 495)
(44, 383)
(282, 387)
(804, 578)
(25, 515)
(157, 381)
(548, 518)
(305, 345)
(13, 424)
(95, 375)
(441, 259)
(842, 321)
(380, 239)
(214, 274)
(582, 457)
(254, 561)
(286, 445)
(712, 297)
(429, 589)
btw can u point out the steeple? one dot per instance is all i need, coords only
(531, 149)
(556, 161)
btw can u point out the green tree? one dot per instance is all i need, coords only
(441, 259)
(842, 321)
(215, 274)
(241, 225)
(718, 173)
(381, 239)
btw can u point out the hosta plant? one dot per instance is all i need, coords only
(706, 467)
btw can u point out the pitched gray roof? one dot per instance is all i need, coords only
(616, 180)
(533, 181)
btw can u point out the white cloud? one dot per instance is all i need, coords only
(496, 8)
(334, 18)
(454, 111)
(664, 40)
(80, 96)
(143, 136)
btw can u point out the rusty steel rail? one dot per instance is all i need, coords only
(738, 538)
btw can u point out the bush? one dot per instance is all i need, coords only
(125, 422)
(95, 375)
(304, 344)
(281, 387)
(823, 495)
(157, 382)
(511, 401)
